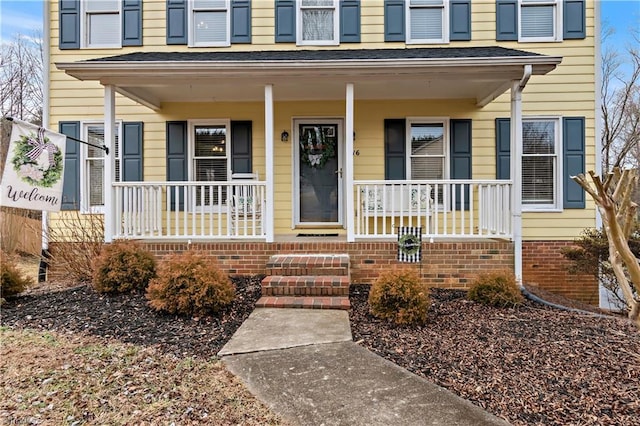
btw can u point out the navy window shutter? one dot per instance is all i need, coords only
(71, 185)
(503, 148)
(177, 22)
(460, 20)
(507, 20)
(350, 21)
(461, 158)
(395, 148)
(132, 135)
(285, 21)
(177, 156)
(240, 21)
(573, 138)
(241, 150)
(69, 22)
(574, 21)
(394, 20)
(132, 22)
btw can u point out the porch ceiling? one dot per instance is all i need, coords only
(154, 78)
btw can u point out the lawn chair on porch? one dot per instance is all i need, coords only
(246, 204)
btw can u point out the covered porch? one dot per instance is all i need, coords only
(245, 207)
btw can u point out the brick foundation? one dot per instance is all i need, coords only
(544, 266)
(446, 265)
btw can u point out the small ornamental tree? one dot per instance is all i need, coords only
(613, 198)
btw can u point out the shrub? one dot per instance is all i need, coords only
(123, 266)
(13, 281)
(188, 284)
(496, 289)
(399, 296)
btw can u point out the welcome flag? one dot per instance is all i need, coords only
(410, 244)
(34, 170)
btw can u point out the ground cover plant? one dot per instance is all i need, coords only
(531, 365)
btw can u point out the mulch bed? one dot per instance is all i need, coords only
(531, 365)
(128, 318)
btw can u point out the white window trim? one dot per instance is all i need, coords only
(191, 26)
(446, 205)
(556, 206)
(84, 29)
(445, 25)
(85, 207)
(336, 26)
(191, 125)
(557, 25)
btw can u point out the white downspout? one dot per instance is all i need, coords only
(516, 168)
(46, 49)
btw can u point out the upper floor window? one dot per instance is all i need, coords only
(540, 20)
(210, 22)
(428, 21)
(540, 163)
(318, 22)
(102, 23)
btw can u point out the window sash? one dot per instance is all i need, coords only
(210, 161)
(427, 21)
(103, 29)
(539, 20)
(210, 23)
(427, 159)
(540, 162)
(94, 163)
(318, 22)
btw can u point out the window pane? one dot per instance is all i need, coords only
(537, 180)
(427, 139)
(317, 25)
(210, 27)
(537, 21)
(538, 137)
(104, 29)
(427, 168)
(102, 5)
(95, 177)
(210, 141)
(426, 23)
(210, 170)
(209, 4)
(307, 3)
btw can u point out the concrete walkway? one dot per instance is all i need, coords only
(304, 365)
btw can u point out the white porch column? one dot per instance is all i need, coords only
(348, 164)
(516, 175)
(109, 160)
(268, 152)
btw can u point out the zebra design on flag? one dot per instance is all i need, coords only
(409, 244)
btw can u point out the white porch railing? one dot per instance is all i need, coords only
(443, 208)
(189, 210)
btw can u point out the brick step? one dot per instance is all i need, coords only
(305, 285)
(307, 302)
(308, 264)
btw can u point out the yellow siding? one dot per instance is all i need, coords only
(567, 91)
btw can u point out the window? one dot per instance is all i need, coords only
(101, 22)
(92, 173)
(540, 175)
(210, 159)
(428, 21)
(210, 23)
(427, 158)
(540, 20)
(318, 22)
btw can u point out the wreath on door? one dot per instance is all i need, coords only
(316, 148)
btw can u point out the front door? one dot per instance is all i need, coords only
(318, 172)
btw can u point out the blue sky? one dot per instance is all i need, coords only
(25, 16)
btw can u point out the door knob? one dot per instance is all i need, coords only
(339, 172)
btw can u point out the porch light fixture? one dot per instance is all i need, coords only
(284, 136)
